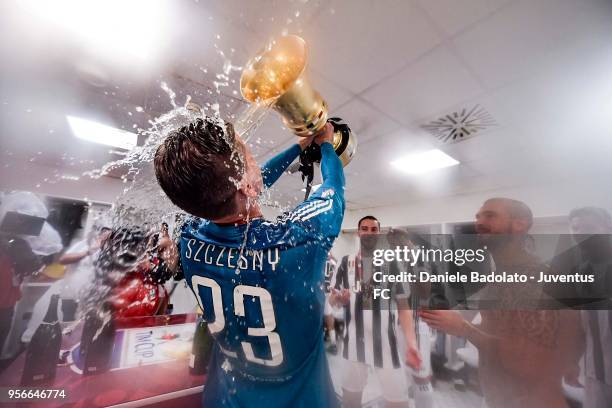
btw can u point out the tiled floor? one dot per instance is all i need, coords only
(445, 395)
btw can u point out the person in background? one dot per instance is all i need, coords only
(82, 249)
(370, 341)
(9, 292)
(523, 351)
(79, 270)
(25, 247)
(163, 253)
(331, 265)
(148, 262)
(79, 259)
(591, 228)
(16, 262)
(420, 294)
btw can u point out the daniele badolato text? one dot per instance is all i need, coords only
(417, 256)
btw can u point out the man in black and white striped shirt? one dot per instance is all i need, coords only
(592, 228)
(420, 295)
(370, 338)
(331, 265)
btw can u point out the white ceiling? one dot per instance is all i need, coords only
(541, 68)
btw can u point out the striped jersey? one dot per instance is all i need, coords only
(330, 273)
(598, 357)
(597, 324)
(370, 335)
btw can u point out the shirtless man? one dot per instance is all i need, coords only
(522, 353)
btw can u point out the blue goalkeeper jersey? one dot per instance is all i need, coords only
(260, 288)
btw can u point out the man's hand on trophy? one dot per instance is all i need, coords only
(304, 142)
(325, 135)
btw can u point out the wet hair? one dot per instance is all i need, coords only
(517, 209)
(198, 168)
(600, 214)
(368, 217)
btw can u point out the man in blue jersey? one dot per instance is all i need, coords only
(258, 282)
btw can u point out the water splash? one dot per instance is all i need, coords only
(251, 118)
(170, 93)
(142, 201)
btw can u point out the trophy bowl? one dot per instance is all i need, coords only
(277, 76)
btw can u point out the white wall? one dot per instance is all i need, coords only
(544, 201)
(345, 244)
(30, 176)
(549, 204)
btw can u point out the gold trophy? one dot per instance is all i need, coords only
(276, 76)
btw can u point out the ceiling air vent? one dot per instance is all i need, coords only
(460, 125)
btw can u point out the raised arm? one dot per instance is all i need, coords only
(274, 168)
(73, 257)
(321, 215)
(331, 169)
(77, 252)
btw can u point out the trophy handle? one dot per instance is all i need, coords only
(312, 154)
